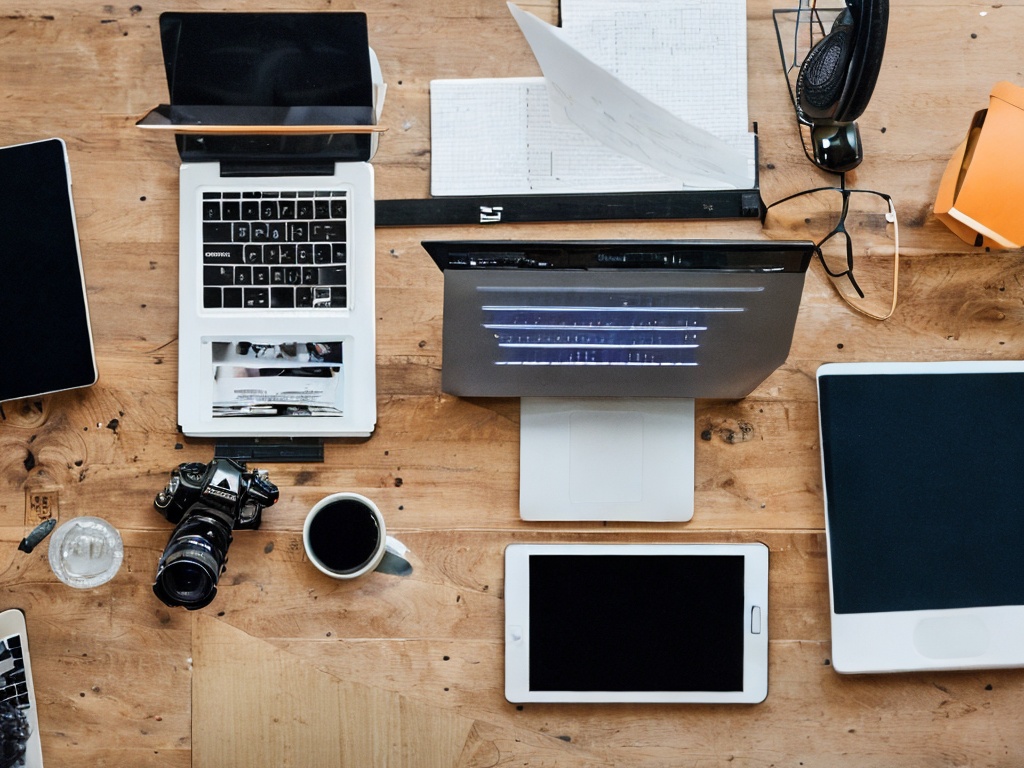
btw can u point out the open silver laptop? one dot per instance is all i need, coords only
(276, 284)
(608, 343)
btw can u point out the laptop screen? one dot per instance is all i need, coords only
(270, 60)
(709, 319)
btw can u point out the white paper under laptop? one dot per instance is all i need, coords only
(635, 96)
(276, 282)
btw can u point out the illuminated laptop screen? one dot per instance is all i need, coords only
(708, 319)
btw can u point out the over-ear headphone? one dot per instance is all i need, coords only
(836, 80)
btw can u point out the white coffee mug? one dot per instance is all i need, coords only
(345, 537)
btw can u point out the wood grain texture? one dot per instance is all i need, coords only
(411, 668)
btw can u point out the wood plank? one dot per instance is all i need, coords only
(259, 706)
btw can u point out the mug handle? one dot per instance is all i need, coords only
(394, 561)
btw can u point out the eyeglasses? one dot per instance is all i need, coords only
(834, 218)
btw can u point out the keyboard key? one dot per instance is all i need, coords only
(286, 209)
(214, 275)
(330, 276)
(211, 298)
(261, 276)
(241, 232)
(222, 254)
(322, 253)
(304, 209)
(250, 210)
(217, 233)
(253, 254)
(268, 210)
(329, 231)
(276, 232)
(256, 298)
(231, 210)
(211, 210)
(232, 298)
(304, 297)
(282, 298)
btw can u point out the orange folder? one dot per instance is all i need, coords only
(981, 194)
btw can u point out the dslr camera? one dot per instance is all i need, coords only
(206, 502)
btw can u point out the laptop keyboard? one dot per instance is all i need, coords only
(611, 328)
(275, 250)
(13, 684)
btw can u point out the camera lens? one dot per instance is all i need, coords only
(188, 583)
(194, 559)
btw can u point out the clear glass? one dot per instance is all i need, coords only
(86, 552)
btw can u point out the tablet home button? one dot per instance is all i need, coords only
(951, 637)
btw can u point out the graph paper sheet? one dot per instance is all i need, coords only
(639, 95)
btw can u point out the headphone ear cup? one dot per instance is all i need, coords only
(866, 58)
(822, 78)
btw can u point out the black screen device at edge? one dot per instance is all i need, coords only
(922, 477)
(44, 317)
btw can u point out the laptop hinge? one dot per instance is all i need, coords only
(239, 170)
(262, 449)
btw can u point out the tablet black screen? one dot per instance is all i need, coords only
(923, 484)
(43, 318)
(636, 622)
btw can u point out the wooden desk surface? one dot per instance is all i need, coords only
(414, 665)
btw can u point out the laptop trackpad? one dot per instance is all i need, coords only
(606, 456)
(606, 459)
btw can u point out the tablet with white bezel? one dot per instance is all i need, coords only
(924, 514)
(657, 623)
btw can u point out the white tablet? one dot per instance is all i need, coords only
(636, 623)
(924, 513)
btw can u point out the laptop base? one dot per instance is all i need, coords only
(608, 459)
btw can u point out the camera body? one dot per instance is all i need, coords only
(206, 502)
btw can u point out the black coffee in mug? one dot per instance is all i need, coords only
(344, 535)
